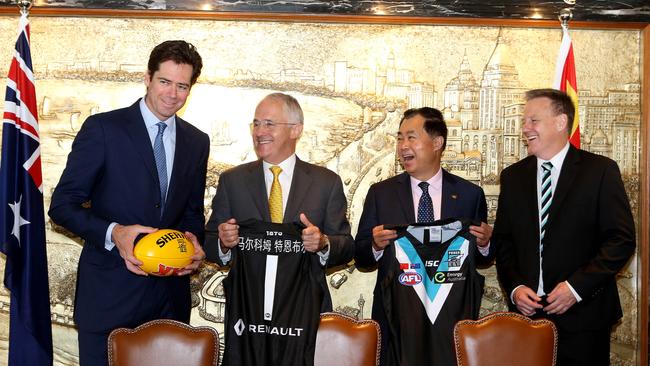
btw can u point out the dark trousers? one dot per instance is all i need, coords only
(583, 348)
(93, 346)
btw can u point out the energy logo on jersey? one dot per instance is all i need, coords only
(432, 292)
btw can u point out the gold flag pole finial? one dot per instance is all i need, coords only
(24, 6)
(565, 16)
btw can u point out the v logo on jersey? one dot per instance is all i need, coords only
(432, 292)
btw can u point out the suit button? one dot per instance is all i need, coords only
(157, 205)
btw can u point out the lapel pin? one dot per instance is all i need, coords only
(454, 196)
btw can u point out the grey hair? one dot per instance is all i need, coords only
(291, 107)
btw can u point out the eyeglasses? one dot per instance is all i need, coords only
(268, 124)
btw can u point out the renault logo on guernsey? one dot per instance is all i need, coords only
(239, 327)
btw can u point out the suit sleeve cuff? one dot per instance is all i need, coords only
(225, 258)
(573, 291)
(324, 254)
(512, 295)
(485, 251)
(377, 253)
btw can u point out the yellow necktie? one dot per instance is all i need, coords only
(275, 198)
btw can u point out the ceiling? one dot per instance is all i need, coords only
(583, 10)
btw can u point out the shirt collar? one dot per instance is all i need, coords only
(287, 165)
(435, 182)
(557, 160)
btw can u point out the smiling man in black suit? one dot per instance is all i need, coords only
(563, 230)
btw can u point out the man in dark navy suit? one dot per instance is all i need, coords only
(130, 172)
(421, 139)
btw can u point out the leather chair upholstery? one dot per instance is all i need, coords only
(163, 342)
(505, 339)
(342, 341)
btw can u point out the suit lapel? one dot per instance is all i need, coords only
(300, 184)
(257, 189)
(568, 173)
(448, 197)
(406, 197)
(137, 133)
(529, 187)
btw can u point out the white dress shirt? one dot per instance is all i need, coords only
(557, 162)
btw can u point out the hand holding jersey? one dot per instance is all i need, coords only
(482, 232)
(228, 235)
(312, 238)
(382, 237)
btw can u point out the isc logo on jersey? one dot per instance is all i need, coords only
(410, 278)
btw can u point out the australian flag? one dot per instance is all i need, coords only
(22, 222)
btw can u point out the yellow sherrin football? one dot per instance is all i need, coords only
(164, 252)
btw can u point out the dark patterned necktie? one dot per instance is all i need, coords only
(425, 207)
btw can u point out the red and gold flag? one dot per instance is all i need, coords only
(565, 80)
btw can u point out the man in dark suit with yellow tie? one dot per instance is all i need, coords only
(310, 194)
(281, 188)
(563, 230)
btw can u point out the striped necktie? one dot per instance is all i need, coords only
(547, 195)
(275, 198)
(161, 163)
(545, 199)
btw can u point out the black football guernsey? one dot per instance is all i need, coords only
(273, 298)
(431, 284)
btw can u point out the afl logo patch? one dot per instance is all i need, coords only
(410, 279)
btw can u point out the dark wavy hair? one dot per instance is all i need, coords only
(180, 52)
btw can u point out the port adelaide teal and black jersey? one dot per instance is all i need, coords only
(431, 284)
